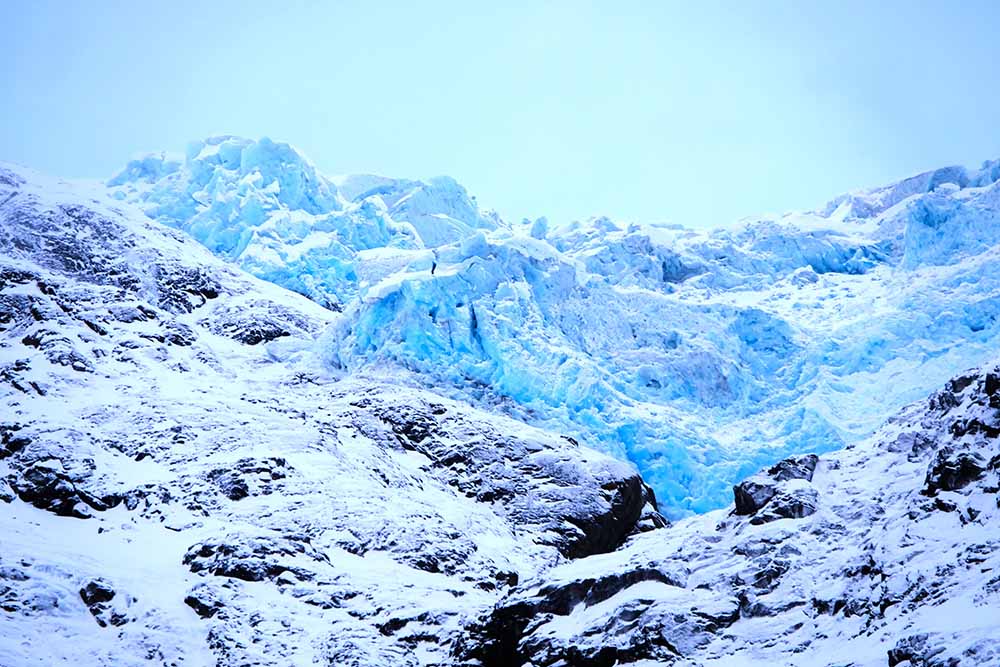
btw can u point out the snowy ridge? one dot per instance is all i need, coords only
(884, 553)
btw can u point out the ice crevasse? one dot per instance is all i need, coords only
(698, 355)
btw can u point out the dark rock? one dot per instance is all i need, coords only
(11, 374)
(230, 483)
(256, 322)
(767, 573)
(147, 496)
(97, 594)
(252, 558)
(261, 332)
(204, 600)
(58, 350)
(793, 504)
(496, 641)
(751, 496)
(944, 505)
(47, 487)
(951, 470)
(801, 467)
(182, 289)
(753, 607)
(949, 397)
(605, 531)
(16, 309)
(11, 440)
(973, 426)
(181, 335)
(249, 476)
(584, 518)
(991, 387)
(920, 651)
(97, 591)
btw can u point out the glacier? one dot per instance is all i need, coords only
(699, 355)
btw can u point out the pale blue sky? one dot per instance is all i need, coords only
(698, 113)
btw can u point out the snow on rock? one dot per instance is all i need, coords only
(896, 564)
(200, 467)
(184, 481)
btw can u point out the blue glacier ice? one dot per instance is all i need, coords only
(698, 355)
(264, 206)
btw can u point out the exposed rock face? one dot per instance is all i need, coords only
(46, 486)
(753, 494)
(204, 600)
(951, 470)
(98, 595)
(253, 559)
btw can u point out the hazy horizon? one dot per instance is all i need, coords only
(649, 113)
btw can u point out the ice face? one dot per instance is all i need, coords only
(699, 356)
(264, 206)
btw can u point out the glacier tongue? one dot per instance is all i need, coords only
(699, 355)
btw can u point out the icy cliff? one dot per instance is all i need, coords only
(264, 206)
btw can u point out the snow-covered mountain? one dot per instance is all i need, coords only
(201, 467)
(700, 356)
(174, 449)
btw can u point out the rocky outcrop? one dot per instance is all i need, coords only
(780, 489)
(98, 595)
(46, 486)
(253, 558)
(534, 486)
(951, 470)
(742, 584)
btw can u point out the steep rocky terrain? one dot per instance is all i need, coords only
(184, 483)
(885, 553)
(195, 468)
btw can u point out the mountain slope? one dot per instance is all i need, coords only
(187, 477)
(884, 553)
(182, 481)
